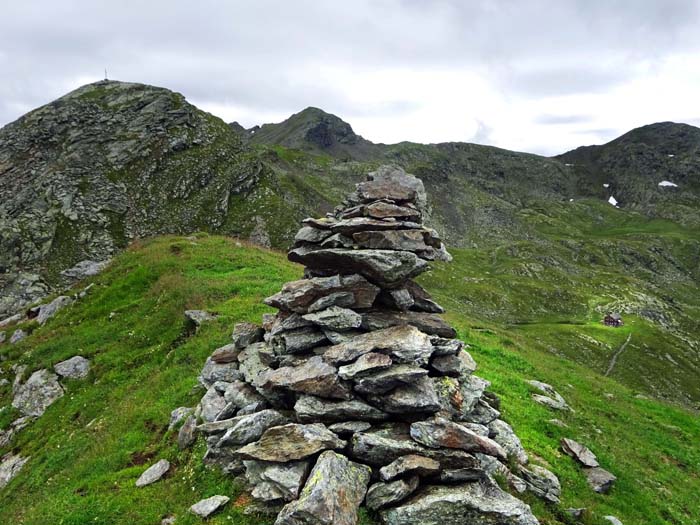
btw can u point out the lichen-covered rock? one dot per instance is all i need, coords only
(408, 465)
(312, 408)
(365, 364)
(212, 404)
(291, 442)
(332, 495)
(441, 432)
(404, 344)
(335, 318)
(77, 367)
(276, 481)
(198, 317)
(37, 394)
(314, 376)
(385, 380)
(480, 502)
(245, 334)
(541, 482)
(187, 434)
(503, 434)
(47, 311)
(382, 495)
(248, 428)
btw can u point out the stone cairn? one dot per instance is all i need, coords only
(356, 392)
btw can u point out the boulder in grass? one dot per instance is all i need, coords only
(198, 317)
(209, 506)
(10, 465)
(153, 473)
(77, 367)
(579, 452)
(40, 391)
(599, 479)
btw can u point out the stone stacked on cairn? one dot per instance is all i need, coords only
(356, 391)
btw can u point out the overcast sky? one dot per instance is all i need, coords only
(540, 76)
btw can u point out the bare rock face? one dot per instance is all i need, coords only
(357, 377)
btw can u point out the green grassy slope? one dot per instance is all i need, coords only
(90, 446)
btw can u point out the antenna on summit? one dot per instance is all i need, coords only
(105, 73)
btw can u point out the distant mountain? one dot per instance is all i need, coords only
(316, 131)
(653, 169)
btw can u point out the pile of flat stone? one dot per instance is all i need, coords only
(356, 392)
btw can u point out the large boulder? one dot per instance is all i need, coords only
(37, 394)
(47, 311)
(332, 495)
(77, 367)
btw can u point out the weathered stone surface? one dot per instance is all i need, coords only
(483, 414)
(422, 301)
(392, 183)
(335, 318)
(187, 434)
(599, 479)
(197, 317)
(77, 367)
(397, 298)
(84, 269)
(541, 482)
(153, 473)
(381, 495)
(321, 502)
(245, 334)
(410, 240)
(365, 364)
(17, 336)
(411, 464)
(10, 465)
(579, 452)
(342, 299)
(285, 322)
(453, 365)
(297, 296)
(346, 429)
(225, 354)
(405, 344)
(47, 311)
(383, 209)
(311, 408)
(213, 372)
(384, 445)
(461, 475)
(389, 378)
(419, 397)
(551, 397)
(212, 404)
(472, 388)
(443, 346)
(248, 428)
(242, 395)
(443, 433)
(311, 234)
(209, 506)
(276, 481)
(37, 394)
(314, 376)
(252, 361)
(386, 268)
(481, 502)
(428, 323)
(503, 434)
(297, 341)
(291, 442)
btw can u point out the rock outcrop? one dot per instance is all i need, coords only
(356, 390)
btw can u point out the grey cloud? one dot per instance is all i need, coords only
(562, 119)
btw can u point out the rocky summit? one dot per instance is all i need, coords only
(356, 392)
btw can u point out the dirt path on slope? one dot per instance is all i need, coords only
(617, 354)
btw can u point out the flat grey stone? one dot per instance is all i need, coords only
(248, 428)
(209, 506)
(381, 495)
(153, 473)
(291, 442)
